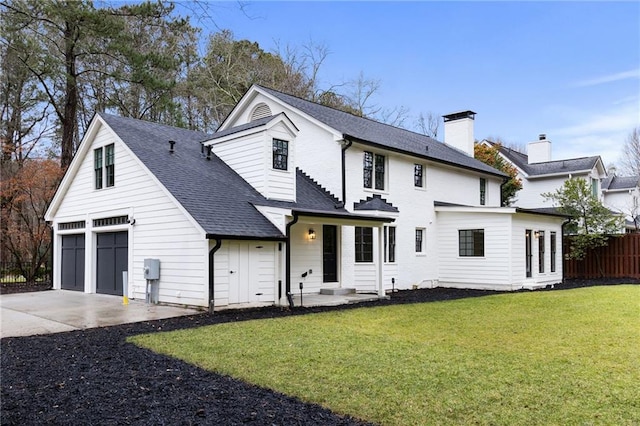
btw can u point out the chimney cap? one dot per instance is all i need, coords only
(459, 115)
(542, 136)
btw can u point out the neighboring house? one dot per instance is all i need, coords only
(621, 195)
(540, 174)
(287, 192)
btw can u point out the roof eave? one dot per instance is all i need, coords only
(425, 157)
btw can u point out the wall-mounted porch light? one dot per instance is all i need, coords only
(536, 234)
(312, 234)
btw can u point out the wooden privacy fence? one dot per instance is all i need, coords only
(619, 259)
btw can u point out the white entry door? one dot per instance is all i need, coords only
(243, 272)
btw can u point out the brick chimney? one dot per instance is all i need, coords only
(458, 131)
(539, 151)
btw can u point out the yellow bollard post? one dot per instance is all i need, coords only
(125, 288)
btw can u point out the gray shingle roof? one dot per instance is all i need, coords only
(237, 129)
(376, 202)
(570, 165)
(385, 136)
(213, 193)
(614, 182)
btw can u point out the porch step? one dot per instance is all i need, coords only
(337, 291)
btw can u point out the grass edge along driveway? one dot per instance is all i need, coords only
(560, 357)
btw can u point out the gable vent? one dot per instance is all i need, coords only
(261, 111)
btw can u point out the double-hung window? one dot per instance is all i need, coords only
(280, 154)
(104, 166)
(390, 244)
(373, 170)
(418, 176)
(483, 191)
(419, 240)
(471, 242)
(364, 244)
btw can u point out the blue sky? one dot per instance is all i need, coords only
(567, 69)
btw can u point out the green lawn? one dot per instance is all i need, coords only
(560, 357)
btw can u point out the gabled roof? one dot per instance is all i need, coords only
(218, 199)
(211, 192)
(620, 183)
(373, 133)
(556, 167)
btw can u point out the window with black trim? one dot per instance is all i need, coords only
(390, 244)
(419, 240)
(364, 244)
(109, 162)
(97, 167)
(418, 175)
(280, 154)
(483, 191)
(552, 238)
(373, 170)
(541, 251)
(471, 242)
(104, 168)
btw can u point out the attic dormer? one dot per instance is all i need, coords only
(262, 151)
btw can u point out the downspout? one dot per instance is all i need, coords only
(344, 171)
(287, 278)
(211, 274)
(565, 223)
(502, 200)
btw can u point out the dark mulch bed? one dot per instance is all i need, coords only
(95, 377)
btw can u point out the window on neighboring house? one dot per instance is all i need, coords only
(280, 154)
(419, 240)
(541, 251)
(418, 175)
(552, 238)
(390, 244)
(109, 162)
(364, 244)
(373, 170)
(594, 187)
(483, 191)
(471, 242)
(97, 167)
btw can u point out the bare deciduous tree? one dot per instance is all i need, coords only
(630, 158)
(428, 124)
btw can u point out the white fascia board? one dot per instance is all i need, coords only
(280, 118)
(270, 213)
(71, 172)
(377, 213)
(572, 173)
(471, 209)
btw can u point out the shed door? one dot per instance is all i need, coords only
(112, 259)
(72, 268)
(244, 266)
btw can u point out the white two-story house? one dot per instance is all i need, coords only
(287, 193)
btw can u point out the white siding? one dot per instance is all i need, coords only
(316, 151)
(162, 230)
(521, 223)
(247, 157)
(306, 255)
(492, 271)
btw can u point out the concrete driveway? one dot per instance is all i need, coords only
(54, 311)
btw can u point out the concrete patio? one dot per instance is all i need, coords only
(54, 311)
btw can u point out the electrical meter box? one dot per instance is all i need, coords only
(152, 269)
